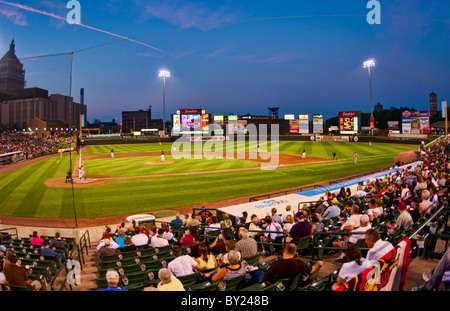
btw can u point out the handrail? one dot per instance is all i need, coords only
(14, 229)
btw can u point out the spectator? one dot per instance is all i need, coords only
(289, 266)
(288, 212)
(169, 282)
(112, 244)
(353, 266)
(120, 239)
(58, 241)
(17, 275)
(301, 228)
(288, 224)
(36, 239)
(168, 235)
(215, 225)
(426, 205)
(46, 251)
(234, 269)
(158, 240)
(193, 222)
(415, 211)
(377, 247)
(129, 247)
(274, 233)
(226, 222)
(316, 225)
(112, 278)
(188, 238)
(177, 222)
(331, 212)
(206, 260)
(404, 220)
(139, 238)
(222, 258)
(182, 264)
(246, 245)
(275, 217)
(107, 250)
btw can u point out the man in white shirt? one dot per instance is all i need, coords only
(182, 264)
(378, 247)
(353, 221)
(139, 239)
(158, 240)
(360, 193)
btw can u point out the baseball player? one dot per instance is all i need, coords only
(162, 156)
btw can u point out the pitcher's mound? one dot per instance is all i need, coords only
(159, 162)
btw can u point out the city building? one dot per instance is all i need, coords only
(12, 75)
(136, 120)
(19, 105)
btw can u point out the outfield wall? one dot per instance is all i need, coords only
(263, 208)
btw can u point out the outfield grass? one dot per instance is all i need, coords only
(25, 195)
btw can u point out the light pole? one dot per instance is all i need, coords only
(369, 64)
(164, 74)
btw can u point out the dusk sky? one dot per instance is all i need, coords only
(305, 57)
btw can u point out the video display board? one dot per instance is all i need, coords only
(303, 124)
(190, 121)
(317, 123)
(415, 122)
(349, 122)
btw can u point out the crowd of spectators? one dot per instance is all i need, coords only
(32, 146)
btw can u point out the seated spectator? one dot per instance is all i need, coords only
(120, 239)
(158, 240)
(139, 238)
(206, 260)
(358, 233)
(121, 227)
(48, 252)
(193, 222)
(17, 275)
(301, 228)
(169, 282)
(289, 266)
(188, 238)
(377, 247)
(360, 193)
(36, 239)
(112, 278)
(222, 258)
(275, 217)
(331, 212)
(58, 241)
(234, 269)
(404, 220)
(215, 225)
(107, 250)
(177, 222)
(112, 244)
(182, 264)
(194, 248)
(254, 229)
(168, 235)
(353, 266)
(415, 211)
(226, 222)
(129, 247)
(353, 221)
(316, 225)
(274, 233)
(287, 226)
(426, 205)
(246, 245)
(288, 212)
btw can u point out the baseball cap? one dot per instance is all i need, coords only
(401, 206)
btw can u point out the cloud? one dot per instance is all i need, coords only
(186, 14)
(13, 15)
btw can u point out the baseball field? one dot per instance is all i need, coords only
(137, 181)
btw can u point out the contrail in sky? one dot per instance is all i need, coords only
(30, 9)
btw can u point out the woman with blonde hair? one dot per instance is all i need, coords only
(206, 260)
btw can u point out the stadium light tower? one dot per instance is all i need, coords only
(164, 74)
(369, 64)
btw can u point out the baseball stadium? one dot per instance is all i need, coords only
(127, 186)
